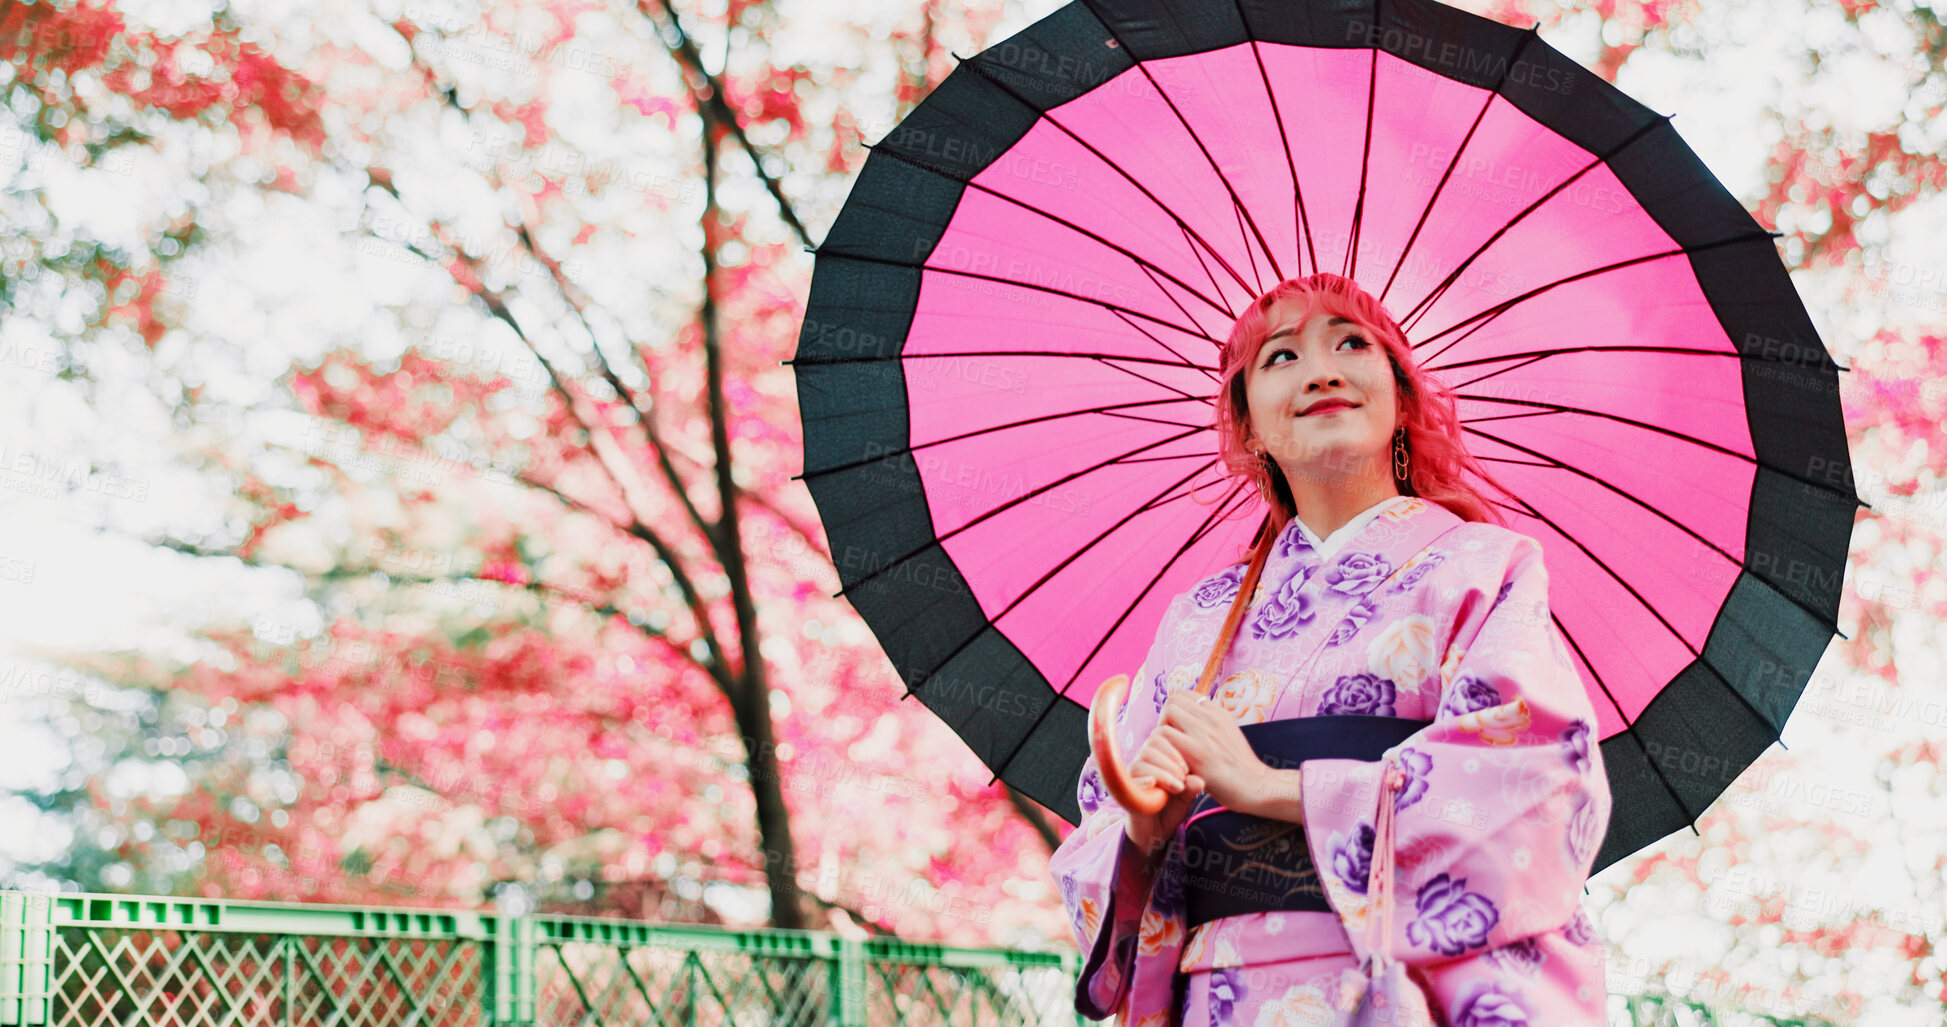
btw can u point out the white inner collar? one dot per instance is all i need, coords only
(1327, 546)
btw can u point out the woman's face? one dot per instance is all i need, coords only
(1321, 394)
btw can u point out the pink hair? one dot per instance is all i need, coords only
(1438, 462)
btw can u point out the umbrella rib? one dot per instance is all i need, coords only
(1158, 420)
(1052, 120)
(1252, 39)
(1453, 162)
(1351, 266)
(1196, 252)
(1209, 372)
(1056, 218)
(1172, 297)
(976, 432)
(1453, 275)
(1672, 432)
(1484, 317)
(1212, 161)
(1509, 417)
(1614, 703)
(1010, 504)
(1600, 562)
(1104, 304)
(1511, 460)
(1161, 459)
(1645, 504)
(1221, 512)
(1628, 725)
(1298, 194)
(1070, 355)
(1161, 385)
(1511, 367)
(1153, 503)
(1237, 210)
(1684, 350)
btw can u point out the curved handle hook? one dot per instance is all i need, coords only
(1137, 794)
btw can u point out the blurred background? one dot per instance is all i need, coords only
(366, 372)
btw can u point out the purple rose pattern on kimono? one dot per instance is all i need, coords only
(1504, 800)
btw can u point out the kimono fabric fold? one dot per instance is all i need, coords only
(1505, 798)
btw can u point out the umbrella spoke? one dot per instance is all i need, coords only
(1628, 725)
(1351, 266)
(1557, 462)
(1104, 158)
(1203, 529)
(1511, 460)
(1284, 141)
(1457, 386)
(1153, 503)
(1510, 417)
(1009, 505)
(1611, 571)
(1187, 316)
(1685, 350)
(1057, 219)
(1161, 459)
(1672, 432)
(1161, 385)
(1453, 162)
(1212, 161)
(835, 468)
(1426, 302)
(1489, 314)
(1060, 354)
(1104, 304)
(1209, 372)
(1158, 420)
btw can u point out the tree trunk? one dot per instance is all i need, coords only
(751, 700)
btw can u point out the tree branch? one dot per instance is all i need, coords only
(341, 572)
(710, 95)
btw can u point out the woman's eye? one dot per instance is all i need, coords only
(1273, 358)
(1360, 339)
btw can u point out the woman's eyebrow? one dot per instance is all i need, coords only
(1293, 329)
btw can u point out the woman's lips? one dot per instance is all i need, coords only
(1326, 408)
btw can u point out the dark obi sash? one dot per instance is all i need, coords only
(1237, 863)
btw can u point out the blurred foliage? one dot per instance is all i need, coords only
(513, 667)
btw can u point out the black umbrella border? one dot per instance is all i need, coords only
(1686, 747)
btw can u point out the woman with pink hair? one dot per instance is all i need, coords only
(1393, 613)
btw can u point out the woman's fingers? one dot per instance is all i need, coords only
(1159, 765)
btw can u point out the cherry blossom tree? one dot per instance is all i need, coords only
(575, 639)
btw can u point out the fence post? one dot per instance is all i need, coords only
(26, 958)
(508, 966)
(847, 983)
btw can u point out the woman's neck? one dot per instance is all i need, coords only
(1326, 506)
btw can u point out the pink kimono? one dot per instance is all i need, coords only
(1421, 615)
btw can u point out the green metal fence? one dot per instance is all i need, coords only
(155, 961)
(145, 961)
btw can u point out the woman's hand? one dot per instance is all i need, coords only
(1160, 762)
(1207, 736)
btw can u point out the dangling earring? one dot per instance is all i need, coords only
(1399, 454)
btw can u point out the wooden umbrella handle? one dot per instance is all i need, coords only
(1137, 795)
(1141, 794)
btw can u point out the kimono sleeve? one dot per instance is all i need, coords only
(1105, 880)
(1496, 827)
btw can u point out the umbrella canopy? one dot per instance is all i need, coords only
(1009, 362)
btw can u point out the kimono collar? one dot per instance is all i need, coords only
(1346, 532)
(1380, 549)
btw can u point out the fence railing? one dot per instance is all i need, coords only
(158, 961)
